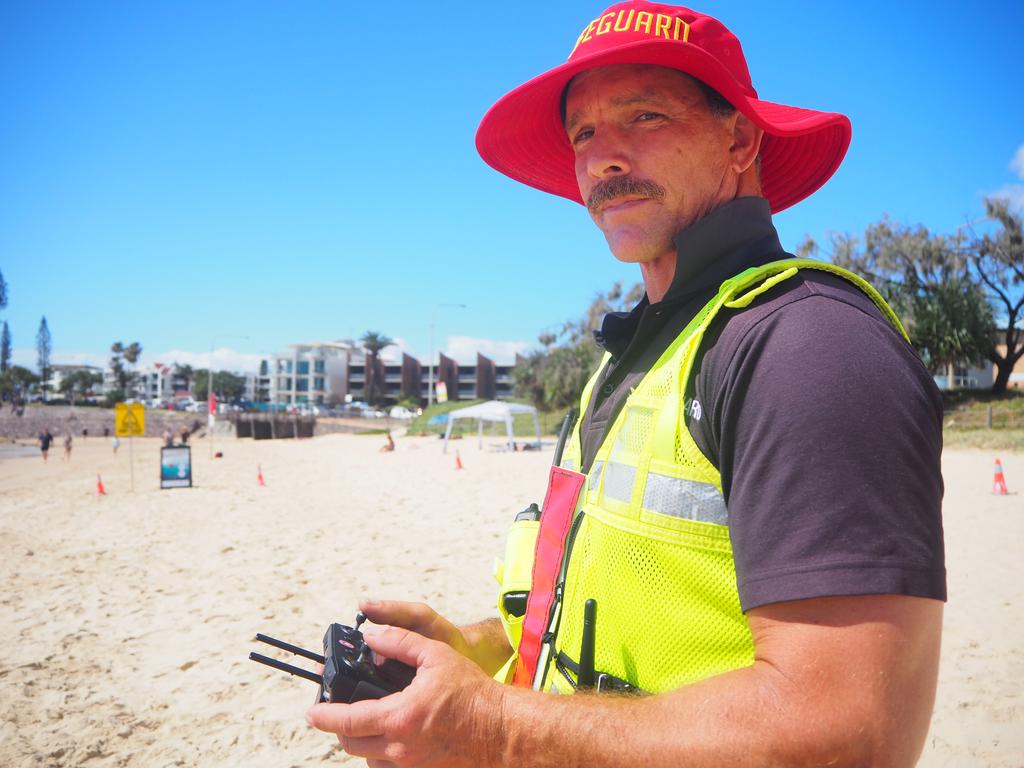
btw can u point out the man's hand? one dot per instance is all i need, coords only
(484, 644)
(437, 720)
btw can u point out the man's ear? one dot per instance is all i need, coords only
(746, 142)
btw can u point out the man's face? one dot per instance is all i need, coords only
(651, 158)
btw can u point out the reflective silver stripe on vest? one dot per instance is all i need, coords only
(684, 498)
(618, 481)
(595, 475)
(569, 464)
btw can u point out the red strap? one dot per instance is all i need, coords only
(564, 487)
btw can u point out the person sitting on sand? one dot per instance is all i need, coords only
(390, 445)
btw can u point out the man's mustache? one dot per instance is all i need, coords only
(622, 186)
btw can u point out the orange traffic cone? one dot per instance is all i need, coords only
(999, 486)
(259, 475)
(458, 460)
(100, 490)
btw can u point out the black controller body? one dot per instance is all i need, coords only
(349, 672)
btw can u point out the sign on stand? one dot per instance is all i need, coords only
(176, 467)
(130, 421)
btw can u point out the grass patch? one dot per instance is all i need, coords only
(977, 418)
(985, 439)
(971, 409)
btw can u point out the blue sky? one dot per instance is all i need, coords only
(186, 173)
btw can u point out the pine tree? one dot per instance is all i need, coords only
(5, 348)
(43, 349)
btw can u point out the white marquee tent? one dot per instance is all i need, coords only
(492, 410)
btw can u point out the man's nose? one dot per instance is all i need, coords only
(607, 156)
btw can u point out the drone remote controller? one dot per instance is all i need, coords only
(349, 672)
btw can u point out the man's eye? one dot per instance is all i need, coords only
(586, 133)
(644, 116)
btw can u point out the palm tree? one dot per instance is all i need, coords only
(373, 342)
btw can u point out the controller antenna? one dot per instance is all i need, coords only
(290, 648)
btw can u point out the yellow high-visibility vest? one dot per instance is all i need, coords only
(650, 542)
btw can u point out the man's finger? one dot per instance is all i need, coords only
(398, 613)
(401, 645)
(358, 720)
(370, 747)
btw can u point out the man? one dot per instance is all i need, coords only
(752, 497)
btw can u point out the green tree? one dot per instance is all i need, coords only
(553, 377)
(373, 342)
(226, 386)
(927, 279)
(998, 261)
(43, 348)
(201, 388)
(79, 383)
(5, 348)
(16, 382)
(3, 291)
(952, 324)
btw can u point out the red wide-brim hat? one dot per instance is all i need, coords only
(523, 137)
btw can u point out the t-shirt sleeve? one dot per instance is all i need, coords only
(827, 431)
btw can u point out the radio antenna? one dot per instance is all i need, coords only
(290, 648)
(297, 671)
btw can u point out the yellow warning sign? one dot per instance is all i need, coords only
(129, 420)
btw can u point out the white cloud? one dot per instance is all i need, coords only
(27, 357)
(1014, 193)
(1017, 163)
(224, 359)
(463, 349)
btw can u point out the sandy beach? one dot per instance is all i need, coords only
(126, 619)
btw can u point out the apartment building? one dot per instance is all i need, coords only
(340, 372)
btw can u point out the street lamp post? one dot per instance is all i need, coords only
(430, 369)
(209, 387)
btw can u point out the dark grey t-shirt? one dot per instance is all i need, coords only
(824, 423)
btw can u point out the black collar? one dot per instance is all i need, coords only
(728, 240)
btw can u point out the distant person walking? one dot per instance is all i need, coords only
(67, 447)
(45, 439)
(184, 435)
(116, 443)
(168, 438)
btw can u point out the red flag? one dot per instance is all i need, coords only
(213, 403)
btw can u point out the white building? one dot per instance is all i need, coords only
(59, 373)
(159, 383)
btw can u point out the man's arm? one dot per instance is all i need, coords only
(846, 681)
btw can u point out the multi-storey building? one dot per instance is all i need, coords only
(340, 372)
(159, 383)
(59, 373)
